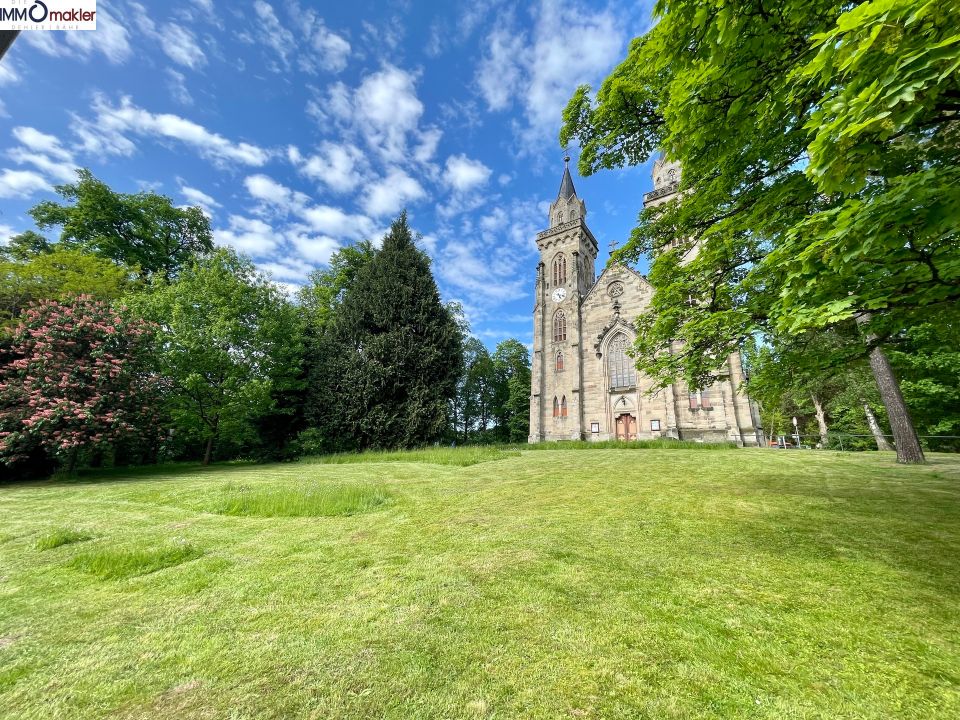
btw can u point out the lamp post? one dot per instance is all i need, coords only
(796, 432)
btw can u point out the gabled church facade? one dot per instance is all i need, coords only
(584, 384)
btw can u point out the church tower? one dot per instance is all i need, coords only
(565, 274)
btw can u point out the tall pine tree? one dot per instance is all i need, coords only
(388, 363)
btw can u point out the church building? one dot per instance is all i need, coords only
(585, 386)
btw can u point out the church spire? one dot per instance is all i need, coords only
(567, 190)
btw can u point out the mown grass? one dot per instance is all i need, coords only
(659, 444)
(115, 563)
(459, 456)
(326, 500)
(58, 537)
(650, 584)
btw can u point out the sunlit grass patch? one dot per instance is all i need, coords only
(460, 456)
(115, 563)
(299, 501)
(61, 536)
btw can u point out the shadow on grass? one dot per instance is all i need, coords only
(162, 471)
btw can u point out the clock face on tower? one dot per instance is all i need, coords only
(559, 294)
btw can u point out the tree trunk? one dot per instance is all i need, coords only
(821, 421)
(904, 435)
(901, 425)
(882, 442)
(209, 451)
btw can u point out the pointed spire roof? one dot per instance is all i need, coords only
(567, 190)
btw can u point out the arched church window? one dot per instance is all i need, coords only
(556, 407)
(559, 270)
(563, 407)
(620, 365)
(559, 327)
(573, 215)
(559, 218)
(560, 361)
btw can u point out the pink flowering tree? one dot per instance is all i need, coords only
(74, 380)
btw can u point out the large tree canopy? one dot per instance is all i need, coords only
(228, 341)
(819, 146)
(145, 230)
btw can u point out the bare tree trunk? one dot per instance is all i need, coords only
(882, 442)
(901, 425)
(821, 420)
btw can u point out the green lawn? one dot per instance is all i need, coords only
(566, 583)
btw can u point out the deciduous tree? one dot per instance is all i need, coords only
(227, 341)
(143, 230)
(75, 377)
(820, 180)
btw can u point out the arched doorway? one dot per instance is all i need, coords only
(626, 425)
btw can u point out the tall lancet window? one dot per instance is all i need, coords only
(556, 407)
(560, 361)
(621, 367)
(563, 407)
(559, 327)
(559, 270)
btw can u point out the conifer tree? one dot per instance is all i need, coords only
(388, 363)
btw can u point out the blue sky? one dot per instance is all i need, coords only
(301, 127)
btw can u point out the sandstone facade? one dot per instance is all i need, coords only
(584, 384)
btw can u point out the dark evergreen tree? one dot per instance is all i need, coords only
(388, 363)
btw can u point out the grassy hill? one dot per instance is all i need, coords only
(486, 583)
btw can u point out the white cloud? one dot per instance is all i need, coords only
(384, 110)
(8, 73)
(330, 51)
(323, 219)
(387, 105)
(265, 188)
(285, 270)
(389, 194)
(45, 153)
(21, 183)
(248, 235)
(177, 86)
(541, 72)
(340, 167)
(470, 266)
(181, 46)
(314, 248)
(272, 33)
(429, 140)
(6, 232)
(199, 198)
(106, 133)
(320, 49)
(501, 72)
(41, 142)
(111, 39)
(489, 261)
(337, 223)
(463, 174)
